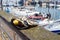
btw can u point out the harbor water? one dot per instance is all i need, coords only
(55, 13)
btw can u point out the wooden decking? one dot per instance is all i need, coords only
(36, 33)
(0, 35)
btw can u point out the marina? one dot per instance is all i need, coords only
(39, 12)
(26, 14)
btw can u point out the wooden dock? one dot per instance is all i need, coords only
(36, 33)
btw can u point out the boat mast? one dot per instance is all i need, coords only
(48, 7)
(1, 5)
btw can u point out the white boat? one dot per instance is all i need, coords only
(27, 11)
(54, 27)
(51, 4)
(45, 22)
(21, 16)
(23, 11)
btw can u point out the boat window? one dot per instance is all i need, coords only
(36, 14)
